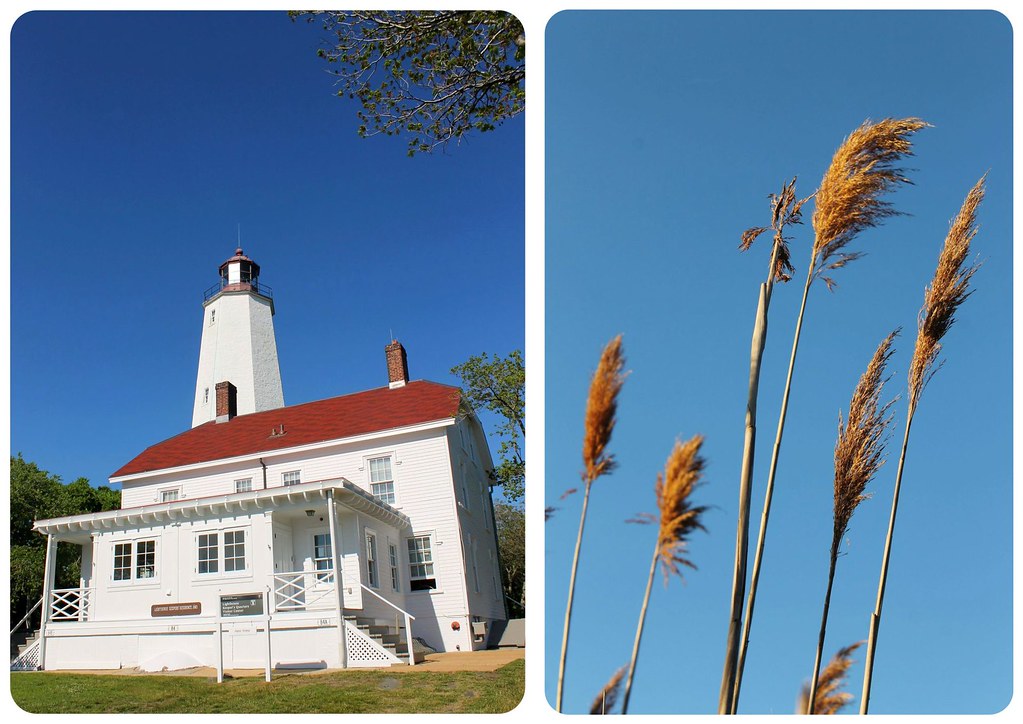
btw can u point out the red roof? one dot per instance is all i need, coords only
(331, 419)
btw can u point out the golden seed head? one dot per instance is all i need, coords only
(848, 200)
(828, 699)
(678, 516)
(608, 696)
(601, 407)
(859, 451)
(949, 288)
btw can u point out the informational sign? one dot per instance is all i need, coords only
(242, 604)
(191, 608)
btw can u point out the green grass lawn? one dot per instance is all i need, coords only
(336, 692)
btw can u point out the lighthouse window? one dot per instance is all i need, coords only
(213, 317)
(206, 396)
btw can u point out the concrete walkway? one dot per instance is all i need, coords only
(490, 660)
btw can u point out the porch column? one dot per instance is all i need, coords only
(335, 552)
(48, 576)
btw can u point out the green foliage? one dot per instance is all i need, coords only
(433, 75)
(511, 544)
(38, 495)
(498, 385)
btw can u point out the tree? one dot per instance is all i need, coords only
(511, 545)
(497, 385)
(434, 75)
(36, 495)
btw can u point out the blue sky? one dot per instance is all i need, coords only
(655, 165)
(140, 143)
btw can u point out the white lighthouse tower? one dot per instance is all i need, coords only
(238, 344)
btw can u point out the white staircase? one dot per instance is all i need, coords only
(25, 654)
(373, 643)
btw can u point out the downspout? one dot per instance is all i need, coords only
(264, 472)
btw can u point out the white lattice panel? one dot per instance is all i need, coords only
(364, 651)
(28, 661)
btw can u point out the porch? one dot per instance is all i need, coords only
(300, 556)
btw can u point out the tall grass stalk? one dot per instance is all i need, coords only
(678, 519)
(847, 202)
(948, 289)
(785, 210)
(859, 455)
(601, 408)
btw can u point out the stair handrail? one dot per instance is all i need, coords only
(396, 608)
(408, 622)
(30, 612)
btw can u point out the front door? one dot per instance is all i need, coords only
(284, 551)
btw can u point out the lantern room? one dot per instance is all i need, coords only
(239, 272)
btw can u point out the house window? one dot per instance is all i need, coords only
(465, 485)
(243, 486)
(381, 480)
(392, 554)
(169, 496)
(323, 557)
(234, 551)
(371, 560)
(209, 553)
(471, 546)
(420, 558)
(213, 558)
(483, 506)
(145, 559)
(293, 477)
(122, 561)
(135, 560)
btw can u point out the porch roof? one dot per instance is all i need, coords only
(345, 492)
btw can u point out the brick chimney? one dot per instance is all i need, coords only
(227, 401)
(397, 364)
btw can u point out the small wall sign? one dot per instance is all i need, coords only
(190, 608)
(242, 604)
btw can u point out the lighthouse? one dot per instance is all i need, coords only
(238, 351)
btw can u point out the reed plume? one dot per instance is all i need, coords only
(830, 699)
(847, 202)
(608, 696)
(786, 209)
(678, 518)
(601, 408)
(948, 289)
(859, 454)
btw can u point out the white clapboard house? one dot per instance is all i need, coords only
(317, 535)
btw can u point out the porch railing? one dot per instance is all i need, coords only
(70, 604)
(302, 589)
